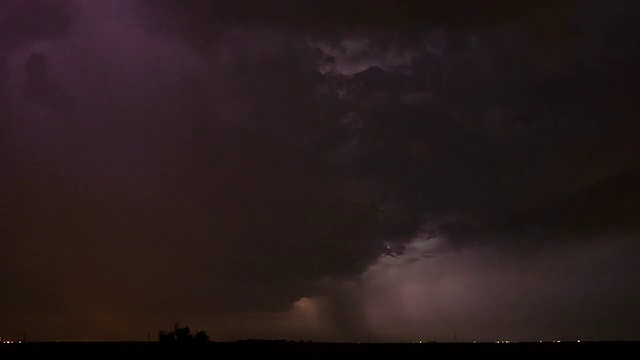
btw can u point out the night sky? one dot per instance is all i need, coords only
(367, 170)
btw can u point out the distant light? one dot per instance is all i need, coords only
(420, 341)
(578, 340)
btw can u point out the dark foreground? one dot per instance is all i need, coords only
(298, 349)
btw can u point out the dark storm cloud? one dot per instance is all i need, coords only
(202, 179)
(495, 87)
(26, 22)
(23, 22)
(495, 113)
(213, 166)
(338, 19)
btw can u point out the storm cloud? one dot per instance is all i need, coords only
(255, 172)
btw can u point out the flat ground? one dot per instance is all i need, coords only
(268, 348)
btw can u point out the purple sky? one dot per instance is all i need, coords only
(346, 171)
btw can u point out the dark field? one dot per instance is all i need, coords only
(625, 349)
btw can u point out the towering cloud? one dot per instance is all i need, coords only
(309, 169)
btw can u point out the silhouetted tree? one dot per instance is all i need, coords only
(166, 337)
(201, 337)
(182, 335)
